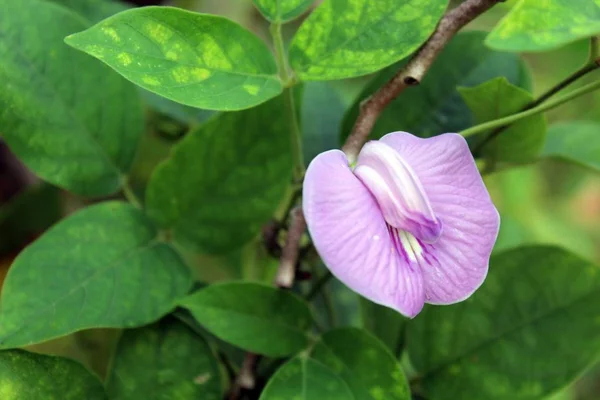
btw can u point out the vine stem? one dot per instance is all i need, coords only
(412, 73)
(500, 122)
(130, 194)
(290, 106)
(592, 64)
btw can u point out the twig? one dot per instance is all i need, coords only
(245, 379)
(592, 64)
(412, 73)
(289, 256)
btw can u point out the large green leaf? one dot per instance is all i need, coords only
(93, 10)
(166, 359)
(101, 267)
(65, 126)
(364, 363)
(255, 317)
(302, 378)
(223, 181)
(200, 60)
(385, 323)
(497, 98)
(575, 141)
(435, 106)
(534, 25)
(30, 376)
(282, 11)
(346, 38)
(528, 331)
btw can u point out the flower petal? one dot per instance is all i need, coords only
(459, 198)
(397, 190)
(350, 234)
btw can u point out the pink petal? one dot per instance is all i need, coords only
(350, 234)
(397, 190)
(459, 259)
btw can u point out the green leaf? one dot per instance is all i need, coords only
(166, 359)
(575, 141)
(279, 11)
(101, 267)
(255, 317)
(225, 180)
(545, 25)
(528, 331)
(364, 363)
(200, 60)
(322, 113)
(383, 322)
(53, 112)
(347, 38)
(302, 378)
(497, 98)
(93, 10)
(435, 106)
(25, 376)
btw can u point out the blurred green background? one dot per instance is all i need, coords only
(547, 202)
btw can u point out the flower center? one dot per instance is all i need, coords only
(399, 194)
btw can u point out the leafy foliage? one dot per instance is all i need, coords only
(545, 25)
(575, 141)
(536, 301)
(273, 323)
(224, 67)
(278, 11)
(523, 140)
(346, 38)
(108, 270)
(53, 117)
(25, 375)
(238, 175)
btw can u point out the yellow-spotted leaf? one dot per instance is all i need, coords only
(200, 60)
(346, 38)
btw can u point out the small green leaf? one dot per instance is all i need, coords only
(225, 180)
(383, 322)
(166, 359)
(29, 376)
(101, 267)
(200, 60)
(545, 25)
(537, 302)
(255, 317)
(93, 10)
(305, 379)
(54, 113)
(347, 38)
(364, 363)
(435, 106)
(575, 141)
(497, 98)
(322, 113)
(282, 11)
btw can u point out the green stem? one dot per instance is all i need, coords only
(130, 195)
(288, 82)
(497, 123)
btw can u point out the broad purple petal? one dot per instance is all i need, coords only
(350, 234)
(397, 190)
(458, 261)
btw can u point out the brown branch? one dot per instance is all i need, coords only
(245, 379)
(289, 255)
(413, 72)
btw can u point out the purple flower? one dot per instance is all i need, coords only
(412, 223)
